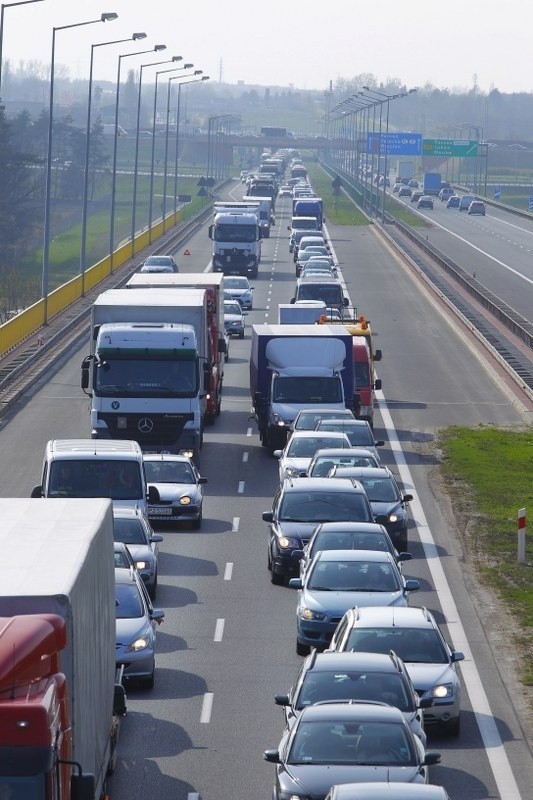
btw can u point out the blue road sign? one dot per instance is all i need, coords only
(397, 144)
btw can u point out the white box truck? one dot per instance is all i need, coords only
(59, 702)
(149, 370)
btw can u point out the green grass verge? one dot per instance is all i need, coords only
(487, 472)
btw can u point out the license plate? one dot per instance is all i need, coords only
(160, 512)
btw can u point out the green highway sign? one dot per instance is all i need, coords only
(462, 148)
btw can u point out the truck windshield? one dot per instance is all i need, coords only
(115, 377)
(235, 233)
(303, 390)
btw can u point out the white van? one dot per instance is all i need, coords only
(111, 468)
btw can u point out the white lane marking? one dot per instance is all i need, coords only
(240, 490)
(193, 796)
(494, 748)
(219, 630)
(207, 707)
(228, 571)
(235, 524)
(249, 431)
(245, 457)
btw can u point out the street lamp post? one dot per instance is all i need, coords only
(106, 17)
(176, 155)
(156, 49)
(136, 166)
(83, 247)
(388, 98)
(167, 124)
(4, 6)
(151, 199)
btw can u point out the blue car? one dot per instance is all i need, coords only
(338, 580)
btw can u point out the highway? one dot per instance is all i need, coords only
(227, 644)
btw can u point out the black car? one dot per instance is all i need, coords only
(349, 742)
(375, 677)
(298, 507)
(386, 499)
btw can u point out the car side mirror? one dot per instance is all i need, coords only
(201, 479)
(404, 557)
(295, 583)
(281, 699)
(153, 495)
(155, 537)
(457, 655)
(407, 498)
(37, 491)
(412, 585)
(267, 516)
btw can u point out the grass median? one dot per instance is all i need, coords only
(488, 475)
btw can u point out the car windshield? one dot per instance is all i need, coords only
(354, 685)
(415, 645)
(235, 283)
(359, 435)
(322, 466)
(333, 540)
(379, 490)
(325, 506)
(129, 531)
(306, 447)
(119, 480)
(169, 472)
(232, 308)
(158, 261)
(128, 603)
(307, 390)
(353, 576)
(339, 742)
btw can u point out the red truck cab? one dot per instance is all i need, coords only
(365, 382)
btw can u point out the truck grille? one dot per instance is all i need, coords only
(148, 430)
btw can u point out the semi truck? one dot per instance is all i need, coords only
(262, 206)
(236, 243)
(294, 367)
(61, 698)
(212, 283)
(149, 369)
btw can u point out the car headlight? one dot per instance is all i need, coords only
(309, 614)
(441, 691)
(142, 565)
(289, 542)
(140, 644)
(185, 501)
(393, 518)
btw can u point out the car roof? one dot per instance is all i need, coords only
(388, 791)
(367, 472)
(333, 452)
(352, 712)
(324, 662)
(391, 616)
(348, 527)
(305, 434)
(321, 484)
(380, 556)
(166, 457)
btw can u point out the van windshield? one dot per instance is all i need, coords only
(113, 478)
(331, 295)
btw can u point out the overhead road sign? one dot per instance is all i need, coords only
(396, 144)
(450, 148)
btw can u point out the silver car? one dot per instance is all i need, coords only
(132, 527)
(300, 449)
(180, 488)
(239, 288)
(136, 623)
(387, 791)
(414, 635)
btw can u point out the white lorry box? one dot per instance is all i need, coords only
(58, 559)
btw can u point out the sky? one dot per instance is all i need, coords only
(455, 45)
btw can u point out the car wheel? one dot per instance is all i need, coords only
(302, 649)
(197, 523)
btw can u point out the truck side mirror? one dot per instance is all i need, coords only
(377, 384)
(377, 355)
(85, 371)
(210, 231)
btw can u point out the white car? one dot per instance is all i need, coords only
(300, 449)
